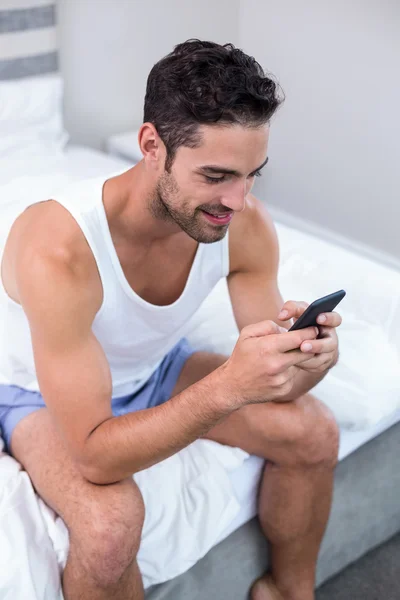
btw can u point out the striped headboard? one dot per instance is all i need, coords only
(28, 41)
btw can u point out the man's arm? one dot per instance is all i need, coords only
(253, 278)
(75, 381)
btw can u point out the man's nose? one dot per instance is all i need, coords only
(235, 197)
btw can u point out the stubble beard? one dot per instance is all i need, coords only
(162, 208)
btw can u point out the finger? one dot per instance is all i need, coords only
(294, 358)
(322, 346)
(292, 309)
(325, 332)
(261, 328)
(330, 319)
(316, 362)
(291, 340)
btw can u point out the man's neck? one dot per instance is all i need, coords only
(127, 199)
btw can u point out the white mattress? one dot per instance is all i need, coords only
(75, 162)
(79, 162)
(87, 162)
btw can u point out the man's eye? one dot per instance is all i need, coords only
(223, 178)
(214, 179)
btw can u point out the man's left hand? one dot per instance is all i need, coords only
(324, 351)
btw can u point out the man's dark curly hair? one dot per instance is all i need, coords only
(206, 83)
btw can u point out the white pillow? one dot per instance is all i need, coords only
(31, 120)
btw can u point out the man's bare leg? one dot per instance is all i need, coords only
(104, 522)
(76, 586)
(299, 439)
(294, 507)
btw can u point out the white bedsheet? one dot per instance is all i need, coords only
(75, 162)
(212, 489)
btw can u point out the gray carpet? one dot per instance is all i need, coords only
(376, 576)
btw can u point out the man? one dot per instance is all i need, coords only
(100, 284)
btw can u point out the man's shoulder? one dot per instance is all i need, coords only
(252, 238)
(49, 230)
(46, 238)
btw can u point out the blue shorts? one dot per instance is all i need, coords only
(16, 402)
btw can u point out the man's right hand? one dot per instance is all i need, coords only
(264, 362)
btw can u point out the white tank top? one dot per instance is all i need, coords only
(134, 334)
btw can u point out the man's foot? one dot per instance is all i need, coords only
(265, 589)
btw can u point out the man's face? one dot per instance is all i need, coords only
(208, 184)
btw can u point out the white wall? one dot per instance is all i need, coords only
(335, 144)
(109, 46)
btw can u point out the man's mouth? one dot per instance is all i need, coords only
(218, 218)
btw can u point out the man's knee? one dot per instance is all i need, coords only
(107, 535)
(302, 433)
(314, 435)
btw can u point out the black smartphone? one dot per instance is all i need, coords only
(322, 305)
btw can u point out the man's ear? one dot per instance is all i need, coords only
(151, 146)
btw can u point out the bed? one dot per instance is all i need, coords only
(365, 511)
(222, 551)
